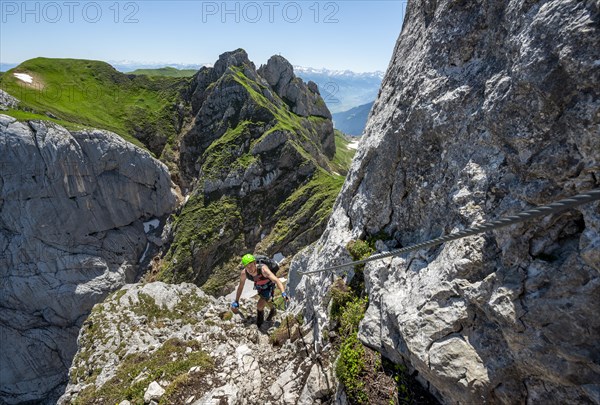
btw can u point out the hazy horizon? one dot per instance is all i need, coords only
(133, 65)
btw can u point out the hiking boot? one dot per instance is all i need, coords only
(272, 314)
(260, 318)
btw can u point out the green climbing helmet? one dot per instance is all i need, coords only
(247, 259)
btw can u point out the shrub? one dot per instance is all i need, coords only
(353, 313)
(350, 367)
(340, 296)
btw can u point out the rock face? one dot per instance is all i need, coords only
(487, 109)
(256, 158)
(72, 206)
(217, 360)
(303, 99)
(7, 101)
(233, 93)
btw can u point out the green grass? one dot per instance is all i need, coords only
(184, 310)
(27, 116)
(347, 310)
(350, 367)
(343, 155)
(352, 361)
(226, 153)
(311, 203)
(360, 250)
(94, 94)
(226, 276)
(288, 329)
(170, 362)
(197, 229)
(285, 120)
(165, 71)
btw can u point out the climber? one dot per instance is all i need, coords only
(264, 282)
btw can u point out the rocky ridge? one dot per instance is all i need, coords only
(218, 358)
(73, 207)
(234, 93)
(487, 109)
(256, 159)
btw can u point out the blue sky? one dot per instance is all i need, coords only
(358, 35)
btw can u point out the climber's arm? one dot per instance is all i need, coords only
(269, 274)
(240, 288)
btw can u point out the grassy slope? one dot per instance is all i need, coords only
(311, 203)
(343, 155)
(166, 71)
(93, 93)
(26, 116)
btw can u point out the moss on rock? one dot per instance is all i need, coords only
(171, 362)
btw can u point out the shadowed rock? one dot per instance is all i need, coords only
(486, 109)
(71, 231)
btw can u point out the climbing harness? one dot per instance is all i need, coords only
(558, 206)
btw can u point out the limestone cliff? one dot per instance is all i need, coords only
(72, 212)
(487, 108)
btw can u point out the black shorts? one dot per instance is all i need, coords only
(266, 291)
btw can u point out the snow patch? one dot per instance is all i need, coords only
(353, 145)
(144, 254)
(151, 225)
(278, 257)
(24, 77)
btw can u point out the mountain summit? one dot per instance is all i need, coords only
(256, 155)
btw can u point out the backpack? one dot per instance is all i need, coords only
(271, 264)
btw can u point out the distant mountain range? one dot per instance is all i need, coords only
(128, 66)
(353, 121)
(341, 90)
(165, 71)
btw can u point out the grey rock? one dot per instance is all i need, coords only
(72, 207)
(7, 101)
(154, 392)
(247, 368)
(227, 392)
(319, 384)
(303, 98)
(487, 109)
(237, 58)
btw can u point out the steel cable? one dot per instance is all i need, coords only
(558, 206)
